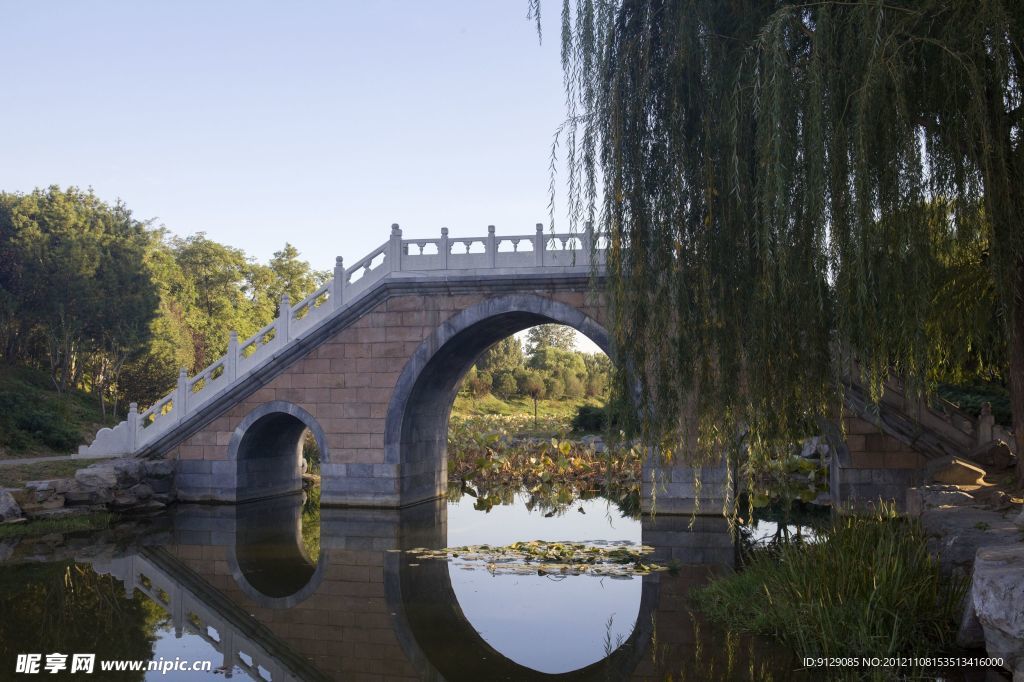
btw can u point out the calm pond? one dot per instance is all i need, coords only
(249, 592)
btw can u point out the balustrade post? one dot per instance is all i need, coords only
(492, 247)
(986, 424)
(338, 286)
(181, 397)
(444, 247)
(133, 427)
(588, 242)
(284, 320)
(538, 245)
(395, 250)
(231, 362)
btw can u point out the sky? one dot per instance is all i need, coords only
(315, 123)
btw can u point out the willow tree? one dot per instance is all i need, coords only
(781, 184)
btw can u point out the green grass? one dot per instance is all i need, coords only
(869, 588)
(70, 524)
(492, 405)
(35, 420)
(15, 475)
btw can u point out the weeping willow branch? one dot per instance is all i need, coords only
(794, 192)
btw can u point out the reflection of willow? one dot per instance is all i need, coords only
(494, 468)
(551, 499)
(67, 608)
(796, 523)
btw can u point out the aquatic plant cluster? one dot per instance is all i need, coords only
(868, 585)
(490, 459)
(615, 559)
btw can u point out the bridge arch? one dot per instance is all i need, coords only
(266, 449)
(416, 427)
(267, 559)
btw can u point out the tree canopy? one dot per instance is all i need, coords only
(107, 303)
(793, 193)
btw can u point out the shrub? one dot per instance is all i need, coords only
(589, 419)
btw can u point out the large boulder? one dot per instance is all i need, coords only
(97, 477)
(995, 454)
(955, 534)
(935, 496)
(997, 595)
(958, 472)
(129, 471)
(9, 509)
(159, 468)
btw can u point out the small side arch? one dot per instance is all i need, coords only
(266, 449)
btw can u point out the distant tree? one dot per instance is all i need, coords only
(75, 293)
(549, 336)
(573, 385)
(599, 370)
(531, 383)
(506, 355)
(505, 385)
(292, 275)
(478, 384)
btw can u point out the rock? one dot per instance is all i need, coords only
(995, 454)
(62, 513)
(40, 486)
(129, 470)
(959, 472)
(57, 485)
(141, 491)
(123, 500)
(43, 495)
(955, 534)
(97, 476)
(52, 502)
(970, 635)
(159, 485)
(935, 496)
(1019, 521)
(159, 468)
(997, 594)
(90, 497)
(9, 509)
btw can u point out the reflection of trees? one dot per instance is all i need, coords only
(550, 499)
(67, 608)
(311, 524)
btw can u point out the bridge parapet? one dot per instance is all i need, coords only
(397, 257)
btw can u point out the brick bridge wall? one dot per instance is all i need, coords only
(346, 384)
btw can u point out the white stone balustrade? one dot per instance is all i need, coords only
(190, 613)
(516, 254)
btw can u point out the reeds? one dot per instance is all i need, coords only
(868, 588)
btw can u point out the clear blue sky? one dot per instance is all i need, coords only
(318, 123)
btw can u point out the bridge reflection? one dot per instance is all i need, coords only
(238, 577)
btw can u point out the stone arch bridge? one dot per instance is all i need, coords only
(370, 363)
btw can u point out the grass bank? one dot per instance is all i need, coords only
(488, 405)
(869, 587)
(15, 475)
(36, 420)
